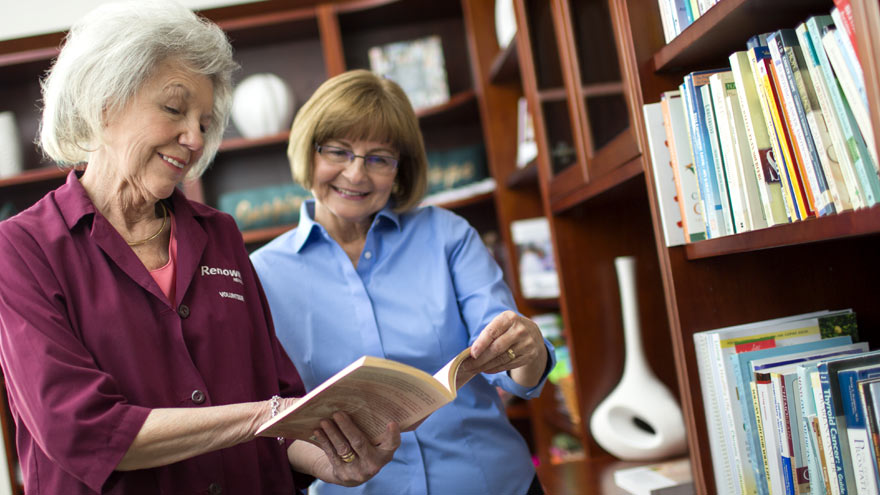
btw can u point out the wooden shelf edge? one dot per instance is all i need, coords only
(35, 175)
(463, 202)
(253, 236)
(523, 177)
(599, 186)
(842, 225)
(456, 102)
(505, 67)
(242, 143)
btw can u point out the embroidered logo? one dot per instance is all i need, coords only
(231, 295)
(225, 272)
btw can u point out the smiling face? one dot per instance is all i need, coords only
(346, 194)
(158, 135)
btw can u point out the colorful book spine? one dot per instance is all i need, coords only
(722, 85)
(769, 186)
(812, 97)
(856, 427)
(788, 60)
(712, 125)
(830, 468)
(683, 173)
(703, 160)
(743, 166)
(667, 198)
(858, 154)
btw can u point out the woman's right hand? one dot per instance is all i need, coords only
(349, 457)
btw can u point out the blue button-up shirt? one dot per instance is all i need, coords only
(424, 288)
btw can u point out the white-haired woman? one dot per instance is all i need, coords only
(135, 339)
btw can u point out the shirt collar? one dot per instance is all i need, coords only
(75, 203)
(307, 223)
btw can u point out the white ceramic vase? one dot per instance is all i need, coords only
(262, 105)
(11, 162)
(640, 420)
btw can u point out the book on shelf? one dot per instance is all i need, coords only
(721, 88)
(683, 173)
(817, 106)
(766, 174)
(672, 477)
(417, 66)
(779, 459)
(704, 163)
(857, 157)
(869, 395)
(724, 418)
(714, 147)
(661, 161)
(534, 248)
(856, 426)
(846, 23)
(374, 392)
(829, 370)
(785, 51)
(847, 50)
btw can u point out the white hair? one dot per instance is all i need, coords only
(110, 53)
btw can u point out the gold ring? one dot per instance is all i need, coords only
(348, 457)
(511, 354)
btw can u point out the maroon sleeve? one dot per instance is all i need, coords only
(70, 408)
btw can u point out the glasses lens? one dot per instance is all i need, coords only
(380, 163)
(337, 155)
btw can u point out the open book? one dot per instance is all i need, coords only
(374, 392)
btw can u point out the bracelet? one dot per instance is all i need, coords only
(275, 403)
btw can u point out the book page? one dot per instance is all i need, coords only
(451, 376)
(374, 391)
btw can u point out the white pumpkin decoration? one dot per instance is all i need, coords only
(262, 105)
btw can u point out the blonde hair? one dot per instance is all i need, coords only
(107, 57)
(360, 105)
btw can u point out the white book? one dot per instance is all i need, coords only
(745, 168)
(715, 149)
(664, 183)
(721, 84)
(679, 137)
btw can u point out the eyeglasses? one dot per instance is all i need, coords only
(380, 164)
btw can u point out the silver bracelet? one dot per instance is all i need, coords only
(276, 402)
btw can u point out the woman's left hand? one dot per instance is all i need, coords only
(513, 343)
(350, 458)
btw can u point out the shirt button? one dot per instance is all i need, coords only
(215, 489)
(368, 255)
(198, 396)
(183, 311)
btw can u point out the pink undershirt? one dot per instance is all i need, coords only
(165, 275)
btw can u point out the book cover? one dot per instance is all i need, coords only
(856, 152)
(417, 66)
(758, 58)
(664, 183)
(537, 267)
(869, 392)
(743, 365)
(769, 185)
(723, 419)
(703, 158)
(824, 95)
(683, 173)
(828, 376)
(856, 426)
(818, 109)
(797, 186)
(374, 392)
(745, 169)
(786, 53)
(671, 477)
(717, 158)
(721, 84)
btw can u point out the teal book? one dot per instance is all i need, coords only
(858, 151)
(809, 429)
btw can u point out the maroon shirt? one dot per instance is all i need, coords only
(89, 344)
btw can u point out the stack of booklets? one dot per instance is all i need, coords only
(781, 135)
(791, 405)
(676, 15)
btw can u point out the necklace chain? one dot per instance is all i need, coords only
(162, 228)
